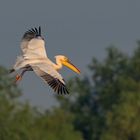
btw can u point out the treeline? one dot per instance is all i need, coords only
(105, 106)
(23, 122)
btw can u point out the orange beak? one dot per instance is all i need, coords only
(71, 66)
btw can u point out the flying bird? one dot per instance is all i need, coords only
(34, 58)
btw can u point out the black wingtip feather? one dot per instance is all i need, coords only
(63, 90)
(32, 33)
(39, 29)
(55, 84)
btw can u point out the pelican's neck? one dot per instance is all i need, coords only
(58, 64)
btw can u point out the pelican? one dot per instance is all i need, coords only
(34, 58)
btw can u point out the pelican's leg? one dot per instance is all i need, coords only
(19, 77)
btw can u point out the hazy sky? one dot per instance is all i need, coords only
(79, 29)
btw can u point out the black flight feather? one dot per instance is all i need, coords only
(32, 33)
(55, 84)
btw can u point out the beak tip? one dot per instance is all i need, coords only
(79, 72)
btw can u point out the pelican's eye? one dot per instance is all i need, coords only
(66, 59)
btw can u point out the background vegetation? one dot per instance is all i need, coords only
(105, 106)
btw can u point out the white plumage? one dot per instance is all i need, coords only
(34, 58)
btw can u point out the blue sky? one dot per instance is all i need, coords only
(79, 29)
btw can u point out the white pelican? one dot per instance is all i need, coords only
(34, 58)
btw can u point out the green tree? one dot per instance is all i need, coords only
(23, 122)
(106, 105)
(57, 125)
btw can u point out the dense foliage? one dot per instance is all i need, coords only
(22, 122)
(105, 106)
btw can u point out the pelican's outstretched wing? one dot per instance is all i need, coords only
(51, 76)
(32, 44)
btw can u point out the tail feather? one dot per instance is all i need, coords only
(11, 70)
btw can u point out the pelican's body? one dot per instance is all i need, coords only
(34, 58)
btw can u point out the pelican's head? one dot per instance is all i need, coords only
(66, 62)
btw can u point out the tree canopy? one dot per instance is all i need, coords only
(23, 122)
(106, 106)
(103, 106)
